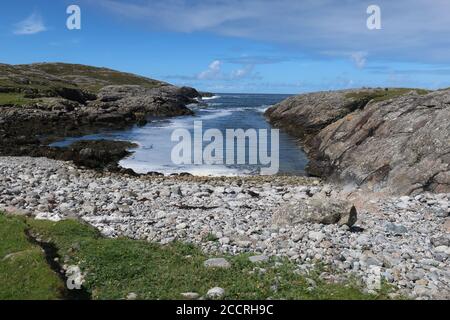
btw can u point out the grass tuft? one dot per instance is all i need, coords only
(24, 272)
(15, 99)
(383, 94)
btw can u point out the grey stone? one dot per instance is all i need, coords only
(318, 209)
(215, 293)
(190, 295)
(259, 259)
(217, 263)
(316, 236)
(396, 229)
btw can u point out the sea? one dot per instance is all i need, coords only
(221, 112)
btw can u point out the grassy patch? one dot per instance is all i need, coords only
(115, 267)
(210, 237)
(382, 94)
(24, 272)
(104, 76)
(13, 99)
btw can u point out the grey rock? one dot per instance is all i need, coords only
(316, 236)
(190, 295)
(396, 229)
(132, 296)
(317, 210)
(217, 263)
(259, 259)
(215, 293)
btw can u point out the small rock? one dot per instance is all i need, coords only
(131, 296)
(396, 229)
(215, 293)
(217, 263)
(258, 259)
(316, 236)
(181, 226)
(190, 295)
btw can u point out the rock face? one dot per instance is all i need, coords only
(399, 145)
(307, 114)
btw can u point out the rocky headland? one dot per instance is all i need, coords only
(388, 140)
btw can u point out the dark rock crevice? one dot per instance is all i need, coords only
(53, 260)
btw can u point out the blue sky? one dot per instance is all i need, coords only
(268, 46)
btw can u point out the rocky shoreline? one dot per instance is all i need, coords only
(403, 241)
(42, 103)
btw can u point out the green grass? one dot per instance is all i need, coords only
(13, 99)
(103, 75)
(24, 272)
(210, 237)
(382, 94)
(38, 77)
(115, 267)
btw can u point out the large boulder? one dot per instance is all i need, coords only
(317, 209)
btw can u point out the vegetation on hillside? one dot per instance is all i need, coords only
(56, 79)
(382, 94)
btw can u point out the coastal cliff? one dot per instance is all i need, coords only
(391, 140)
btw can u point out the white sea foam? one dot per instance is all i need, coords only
(203, 170)
(211, 98)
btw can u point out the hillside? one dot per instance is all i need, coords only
(45, 78)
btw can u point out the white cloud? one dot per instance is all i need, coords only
(412, 29)
(31, 25)
(359, 58)
(213, 71)
(245, 71)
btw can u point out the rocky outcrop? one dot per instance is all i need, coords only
(307, 114)
(43, 102)
(399, 145)
(167, 101)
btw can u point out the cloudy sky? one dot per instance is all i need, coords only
(283, 46)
